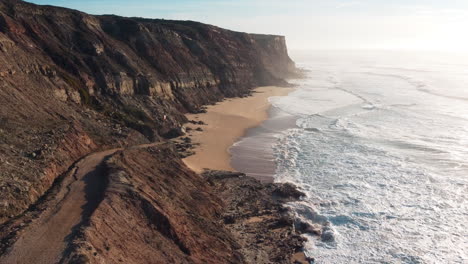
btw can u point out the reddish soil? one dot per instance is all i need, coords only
(44, 240)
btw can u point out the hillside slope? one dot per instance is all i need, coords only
(74, 83)
(87, 171)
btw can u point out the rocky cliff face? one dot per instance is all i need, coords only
(176, 216)
(73, 84)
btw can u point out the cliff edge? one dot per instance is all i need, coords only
(74, 84)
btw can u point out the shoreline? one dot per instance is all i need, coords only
(224, 124)
(254, 153)
(227, 123)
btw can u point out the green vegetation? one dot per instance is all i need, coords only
(77, 85)
(132, 117)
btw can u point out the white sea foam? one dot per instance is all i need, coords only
(381, 150)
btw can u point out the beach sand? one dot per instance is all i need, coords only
(226, 122)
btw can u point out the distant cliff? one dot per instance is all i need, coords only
(73, 83)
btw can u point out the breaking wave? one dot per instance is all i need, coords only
(383, 165)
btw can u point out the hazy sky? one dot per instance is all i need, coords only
(313, 24)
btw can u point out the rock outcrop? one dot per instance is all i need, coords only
(168, 214)
(73, 84)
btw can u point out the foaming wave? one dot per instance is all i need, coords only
(382, 158)
(358, 194)
(419, 85)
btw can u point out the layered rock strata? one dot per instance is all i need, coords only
(74, 84)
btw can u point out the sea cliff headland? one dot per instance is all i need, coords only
(88, 108)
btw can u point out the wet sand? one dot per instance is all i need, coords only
(226, 122)
(254, 154)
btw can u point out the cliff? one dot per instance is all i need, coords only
(74, 84)
(182, 217)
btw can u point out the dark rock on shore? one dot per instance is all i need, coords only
(288, 191)
(257, 218)
(197, 122)
(306, 228)
(184, 146)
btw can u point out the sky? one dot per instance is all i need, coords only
(439, 25)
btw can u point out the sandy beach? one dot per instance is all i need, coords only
(226, 122)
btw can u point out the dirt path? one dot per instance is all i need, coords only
(46, 238)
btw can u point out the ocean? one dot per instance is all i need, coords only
(378, 141)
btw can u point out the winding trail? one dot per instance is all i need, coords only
(46, 238)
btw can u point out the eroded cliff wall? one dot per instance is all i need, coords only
(155, 210)
(72, 83)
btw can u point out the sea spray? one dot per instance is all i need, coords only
(380, 151)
